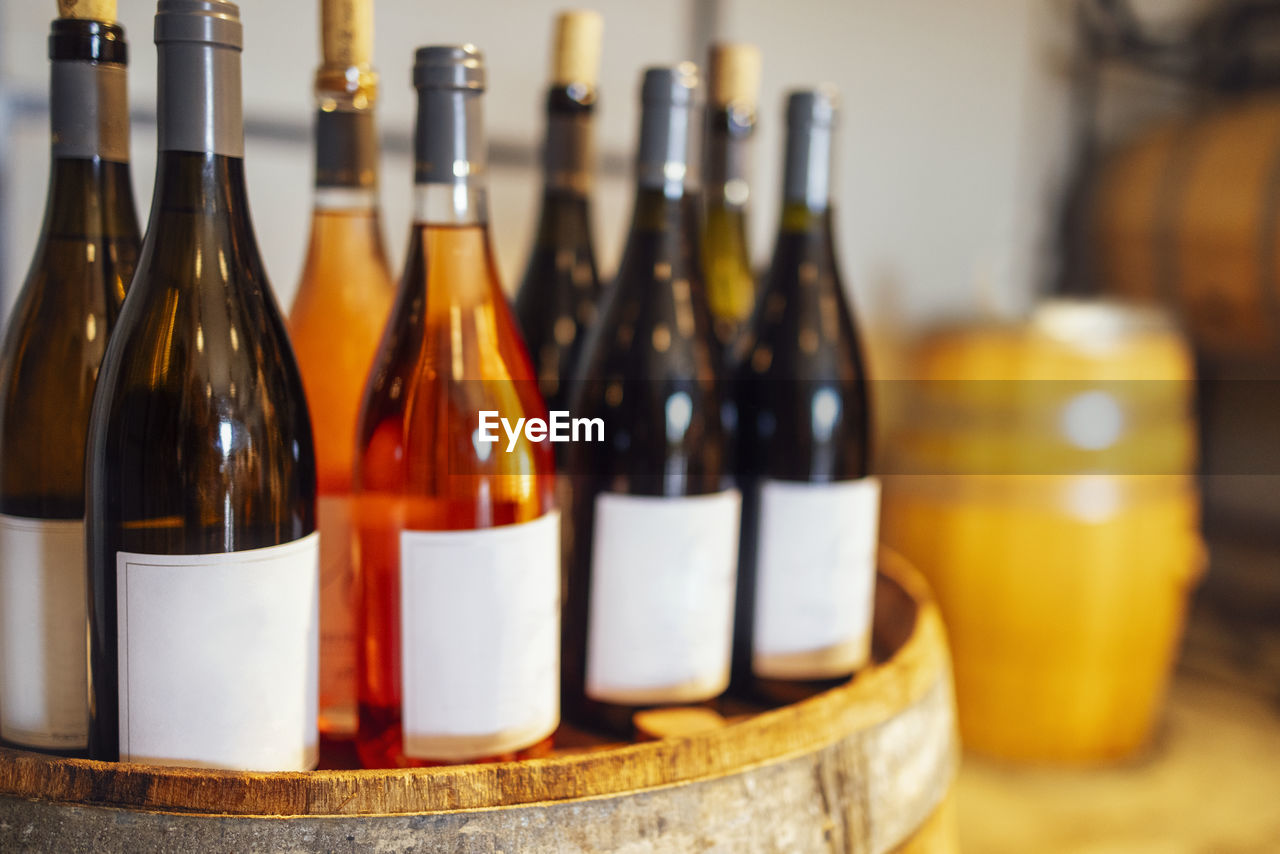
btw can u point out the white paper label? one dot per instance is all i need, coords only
(218, 657)
(660, 622)
(815, 574)
(480, 638)
(43, 667)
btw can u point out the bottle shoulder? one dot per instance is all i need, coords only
(204, 336)
(60, 322)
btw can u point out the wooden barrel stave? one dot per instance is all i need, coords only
(862, 768)
(1222, 219)
(1188, 214)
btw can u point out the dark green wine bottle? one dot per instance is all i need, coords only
(201, 483)
(558, 297)
(52, 351)
(809, 513)
(653, 534)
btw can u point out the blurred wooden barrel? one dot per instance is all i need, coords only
(1042, 483)
(1188, 214)
(865, 767)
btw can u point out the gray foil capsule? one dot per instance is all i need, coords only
(811, 121)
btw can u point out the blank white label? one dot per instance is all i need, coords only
(815, 573)
(660, 626)
(43, 667)
(480, 639)
(217, 657)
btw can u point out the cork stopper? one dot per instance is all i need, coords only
(576, 55)
(97, 10)
(346, 32)
(735, 75)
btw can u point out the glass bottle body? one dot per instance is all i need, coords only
(335, 324)
(451, 351)
(803, 404)
(51, 357)
(200, 442)
(653, 377)
(49, 364)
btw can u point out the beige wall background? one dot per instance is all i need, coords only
(953, 147)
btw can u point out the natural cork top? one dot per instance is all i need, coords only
(576, 55)
(735, 75)
(346, 32)
(97, 10)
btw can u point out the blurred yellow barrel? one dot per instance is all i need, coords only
(1188, 214)
(1042, 482)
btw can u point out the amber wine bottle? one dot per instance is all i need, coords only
(202, 552)
(559, 296)
(458, 538)
(48, 368)
(335, 323)
(810, 508)
(731, 120)
(654, 529)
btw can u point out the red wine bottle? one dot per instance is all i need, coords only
(52, 351)
(458, 539)
(810, 507)
(654, 529)
(201, 482)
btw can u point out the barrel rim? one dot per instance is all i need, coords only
(870, 698)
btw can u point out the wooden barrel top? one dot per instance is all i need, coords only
(879, 752)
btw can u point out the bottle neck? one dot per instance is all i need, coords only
(346, 137)
(208, 186)
(727, 151)
(90, 194)
(801, 217)
(664, 162)
(810, 234)
(450, 162)
(569, 155)
(88, 91)
(90, 198)
(807, 175)
(675, 221)
(89, 111)
(199, 107)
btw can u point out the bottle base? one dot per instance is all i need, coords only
(380, 744)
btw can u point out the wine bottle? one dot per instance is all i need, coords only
(458, 538)
(558, 298)
(202, 551)
(810, 509)
(52, 350)
(731, 120)
(654, 531)
(335, 323)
